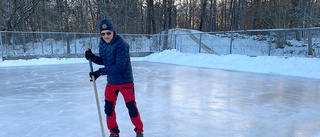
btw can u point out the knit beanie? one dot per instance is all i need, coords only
(106, 24)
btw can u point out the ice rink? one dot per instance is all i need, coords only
(173, 100)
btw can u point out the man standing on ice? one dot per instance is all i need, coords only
(114, 55)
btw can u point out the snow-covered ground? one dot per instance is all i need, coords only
(288, 66)
(184, 40)
(243, 43)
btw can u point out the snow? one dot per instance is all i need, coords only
(41, 61)
(287, 66)
(243, 43)
(184, 40)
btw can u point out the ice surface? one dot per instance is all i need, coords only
(174, 101)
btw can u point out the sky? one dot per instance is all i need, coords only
(274, 65)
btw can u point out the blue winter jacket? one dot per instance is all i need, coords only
(116, 60)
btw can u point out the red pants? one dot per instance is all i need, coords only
(111, 95)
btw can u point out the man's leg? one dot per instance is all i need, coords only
(111, 95)
(127, 91)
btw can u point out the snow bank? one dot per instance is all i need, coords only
(41, 61)
(292, 66)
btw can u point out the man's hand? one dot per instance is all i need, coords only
(88, 54)
(96, 74)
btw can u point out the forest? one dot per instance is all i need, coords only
(157, 16)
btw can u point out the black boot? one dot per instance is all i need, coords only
(112, 135)
(139, 134)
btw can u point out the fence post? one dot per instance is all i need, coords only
(6, 41)
(51, 42)
(75, 43)
(90, 43)
(232, 33)
(63, 43)
(2, 47)
(159, 41)
(154, 40)
(51, 45)
(175, 41)
(131, 42)
(200, 44)
(42, 43)
(310, 43)
(270, 41)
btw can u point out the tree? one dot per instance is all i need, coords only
(16, 11)
(167, 20)
(150, 18)
(310, 7)
(203, 14)
(296, 16)
(154, 16)
(212, 18)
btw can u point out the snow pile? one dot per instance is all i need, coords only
(292, 66)
(41, 61)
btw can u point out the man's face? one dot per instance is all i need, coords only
(107, 35)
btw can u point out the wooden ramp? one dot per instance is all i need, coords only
(203, 46)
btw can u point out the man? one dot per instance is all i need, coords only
(114, 55)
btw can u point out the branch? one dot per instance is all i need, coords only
(27, 13)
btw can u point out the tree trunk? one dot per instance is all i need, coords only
(165, 15)
(214, 14)
(167, 22)
(67, 24)
(141, 17)
(190, 14)
(203, 14)
(310, 25)
(150, 18)
(210, 16)
(169, 10)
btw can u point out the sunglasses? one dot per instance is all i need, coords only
(108, 33)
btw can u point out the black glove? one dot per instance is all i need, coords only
(96, 74)
(88, 54)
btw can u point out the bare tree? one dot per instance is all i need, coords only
(212, 18)
(310, 7)
(154, 16)
(150, 18)
(203, 14)
(16, 11)
(167, 21)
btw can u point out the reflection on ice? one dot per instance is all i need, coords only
(174, 101)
